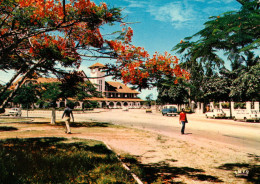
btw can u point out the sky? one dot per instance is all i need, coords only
(159, 25)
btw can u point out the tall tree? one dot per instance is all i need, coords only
(235, 33)
(47, 36)
(246, 87)
(172, 93)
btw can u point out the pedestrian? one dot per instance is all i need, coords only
(67, 114)
(183, 120)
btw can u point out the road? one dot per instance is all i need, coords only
(232, 134)
(244, 136)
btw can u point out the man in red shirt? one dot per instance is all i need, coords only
(183, 120)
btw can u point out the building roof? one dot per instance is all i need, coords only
(35, 80)
(121, 88)
(115, 99)
(45, 80)
(97, 65)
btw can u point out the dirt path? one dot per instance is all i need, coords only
(207, 162)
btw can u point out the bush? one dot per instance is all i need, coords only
(226, 105)
(240, 105)
(91, 104)
(70, 104)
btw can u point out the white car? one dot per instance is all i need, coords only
(247, 115)
(15, 112)
(215, 113)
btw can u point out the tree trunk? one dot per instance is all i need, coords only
(53, 116)
(11, 95)
(230, 109)
(10, 82)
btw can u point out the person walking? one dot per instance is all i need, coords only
(183, 120)
(67, 114)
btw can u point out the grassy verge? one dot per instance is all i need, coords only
(57, 160)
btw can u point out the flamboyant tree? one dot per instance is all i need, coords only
(46, 36)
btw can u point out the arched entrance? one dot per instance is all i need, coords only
(118, 105)
(111, 105)
(125, 104)
(104, 104)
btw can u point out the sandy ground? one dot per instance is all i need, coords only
(195, 153)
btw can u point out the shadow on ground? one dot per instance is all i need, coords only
(7, 128)
(58, 160)
(9, 120)
(86, 124)
(72, 124)
(253, 170)
(162, 171)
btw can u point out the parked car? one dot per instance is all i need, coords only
(169, 110)
(252, 115)
(15, 112)
(148, 111)
(215, 113)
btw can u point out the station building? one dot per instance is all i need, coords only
(114, 94)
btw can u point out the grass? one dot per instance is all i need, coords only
(13, 120)
(57, 160)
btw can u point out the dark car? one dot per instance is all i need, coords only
(169, 110)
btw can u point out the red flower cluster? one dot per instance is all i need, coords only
(78, 23)
(57, 47)
(137, 67)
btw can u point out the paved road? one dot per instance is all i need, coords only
(244, 136)
(199, 130)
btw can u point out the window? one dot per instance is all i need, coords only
(100, 85)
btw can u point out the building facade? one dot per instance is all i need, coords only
(115, 94)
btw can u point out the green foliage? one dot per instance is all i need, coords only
(47, 37)
(4, 95)
(171, 93)
(237, 35)
(74, 86)
(70, 104)
(26, 95)
(91, 104)
(240, 105)
(226, 105)
(49, 93)
(46, 94)
(216, 88)
(246, 86)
